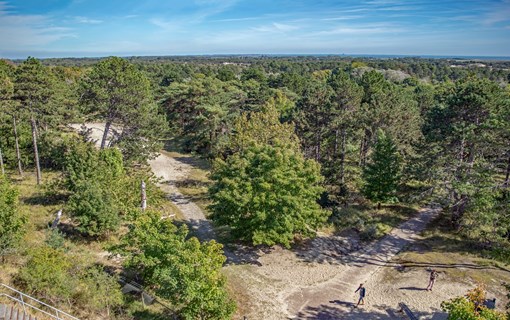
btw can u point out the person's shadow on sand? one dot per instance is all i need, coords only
(413, 288)
(343, 303)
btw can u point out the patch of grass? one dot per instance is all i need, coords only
(196, 184)
(236, 284)
(369, 222)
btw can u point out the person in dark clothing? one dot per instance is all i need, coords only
(432, 279)
(362, 292)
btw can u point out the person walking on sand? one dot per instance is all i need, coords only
(432, 279)
(362, 293)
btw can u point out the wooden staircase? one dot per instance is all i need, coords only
(9, 312)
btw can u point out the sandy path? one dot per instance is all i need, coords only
(171, 171)
(332, 299)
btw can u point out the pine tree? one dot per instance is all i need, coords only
(119, 94)
(33, 90)
(382, 173)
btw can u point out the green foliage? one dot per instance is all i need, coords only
(11, 221)
(52, 275)
(98, 291)
(33, 84)
(201, 112)
(183, 271)
(471, 307)
(266, 192)
(47, 275)
(94, 179)
(382, 174)
(55, 239)
(117, 93)
(94, 209)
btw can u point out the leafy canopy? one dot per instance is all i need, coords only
(183, 271)
(266, 191)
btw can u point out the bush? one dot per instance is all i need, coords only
(55, 239)
(94, 209)
(99, 291)
(183, 271)
(102, 193)
(471, 307)
(11, 222)
(55, 277)
(47, 275)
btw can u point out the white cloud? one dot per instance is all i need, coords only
(19, 31)
(496, 14)
(342, 18)
(359, 30)
(163, 24)
(276, 27)
(86, 20)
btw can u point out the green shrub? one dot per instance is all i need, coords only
(184, 271)
(94, 209)
(11, 221)
(464, 308)
(47, 275)
(55, 239)
(98, 291)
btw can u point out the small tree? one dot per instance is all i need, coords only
(184, 271)
(11, 222)
(94, 178)
(382, 173)
(94, 209)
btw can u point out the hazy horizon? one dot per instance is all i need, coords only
(80, 28)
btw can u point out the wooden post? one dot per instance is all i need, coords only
(144, 196)
(36, 152)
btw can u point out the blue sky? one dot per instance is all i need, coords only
(64, 28)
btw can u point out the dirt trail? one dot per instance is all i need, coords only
(171, 171)
(336, 294)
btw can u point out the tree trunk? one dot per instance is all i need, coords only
(105, 134)
(18, 155)
(507, 177)
(361, 147)
(458, 209)
(2, 162)
(342, 157)
(36, 152)
(144, 196)
(335, 152)
(364, 148)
